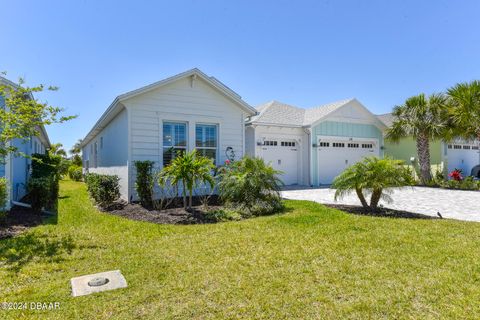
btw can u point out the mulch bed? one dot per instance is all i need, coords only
(382, 212)
(18, 220)
(135, 211)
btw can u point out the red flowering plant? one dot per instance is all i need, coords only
(456, 175)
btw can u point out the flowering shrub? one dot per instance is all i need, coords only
(456, 175)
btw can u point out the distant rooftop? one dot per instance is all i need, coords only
(275, 112)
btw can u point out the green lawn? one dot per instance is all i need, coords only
(311, 262)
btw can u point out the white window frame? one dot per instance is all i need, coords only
(185, 147)
(215, 125)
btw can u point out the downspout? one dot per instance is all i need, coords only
(26, 205)
(309, 148)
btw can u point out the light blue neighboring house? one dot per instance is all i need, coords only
(16, 169)
(312, 146)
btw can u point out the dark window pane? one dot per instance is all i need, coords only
(174, 134)
(206, 135)
(171, 153)
(209, 153)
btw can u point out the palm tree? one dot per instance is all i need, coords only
(424, 118)
(76, 149)
(372, 176)
(250, 184)
(190, 169)
(464, 101)
(57, 149)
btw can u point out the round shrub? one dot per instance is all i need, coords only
(75, 173)
(103, 189)
(39, 192)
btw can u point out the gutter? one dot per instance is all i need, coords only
(309, 138)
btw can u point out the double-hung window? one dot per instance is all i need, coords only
(206, 140)
(174, 140)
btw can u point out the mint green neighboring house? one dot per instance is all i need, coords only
(444, 157)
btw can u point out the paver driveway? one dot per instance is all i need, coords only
(454, 204)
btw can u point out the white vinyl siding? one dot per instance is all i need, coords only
(184, 101)
(112, 158)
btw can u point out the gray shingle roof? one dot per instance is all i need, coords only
(386, 118)
(275, 112)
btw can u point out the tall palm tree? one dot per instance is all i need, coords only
(424, 118)
(76, 149)
(57, 149)
(464, 101)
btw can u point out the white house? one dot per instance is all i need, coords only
(16, 169)
(188, 111)
(312, 146)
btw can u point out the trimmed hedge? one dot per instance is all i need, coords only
(103, 189)
(43, 185)
(144, 182)
(40, 192)
(3, 199)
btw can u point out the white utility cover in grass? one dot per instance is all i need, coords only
(81, 287)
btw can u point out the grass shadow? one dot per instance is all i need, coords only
(382, 212)
(17, 252)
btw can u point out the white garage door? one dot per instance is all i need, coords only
(334, 155)
(283, 156)
(462, 156)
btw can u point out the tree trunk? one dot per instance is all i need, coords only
(362, 198)
(190, 200)
(376, 194)
(184, 194)
(423, 151)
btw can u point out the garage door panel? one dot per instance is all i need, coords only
(463, 157)
(334, 156)
(283, 157)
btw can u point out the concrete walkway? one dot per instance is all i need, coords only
(453, 204)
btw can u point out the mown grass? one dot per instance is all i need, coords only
(311, 262)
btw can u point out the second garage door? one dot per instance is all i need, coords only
(462, 156)
(335, 155)
(283, 156)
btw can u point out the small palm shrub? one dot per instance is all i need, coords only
(103, 189)
(3, 200)
(189, 170)
(144, 182)
(250, 186)
(75, 173)
(372, 176)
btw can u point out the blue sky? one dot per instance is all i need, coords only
(299, 52)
